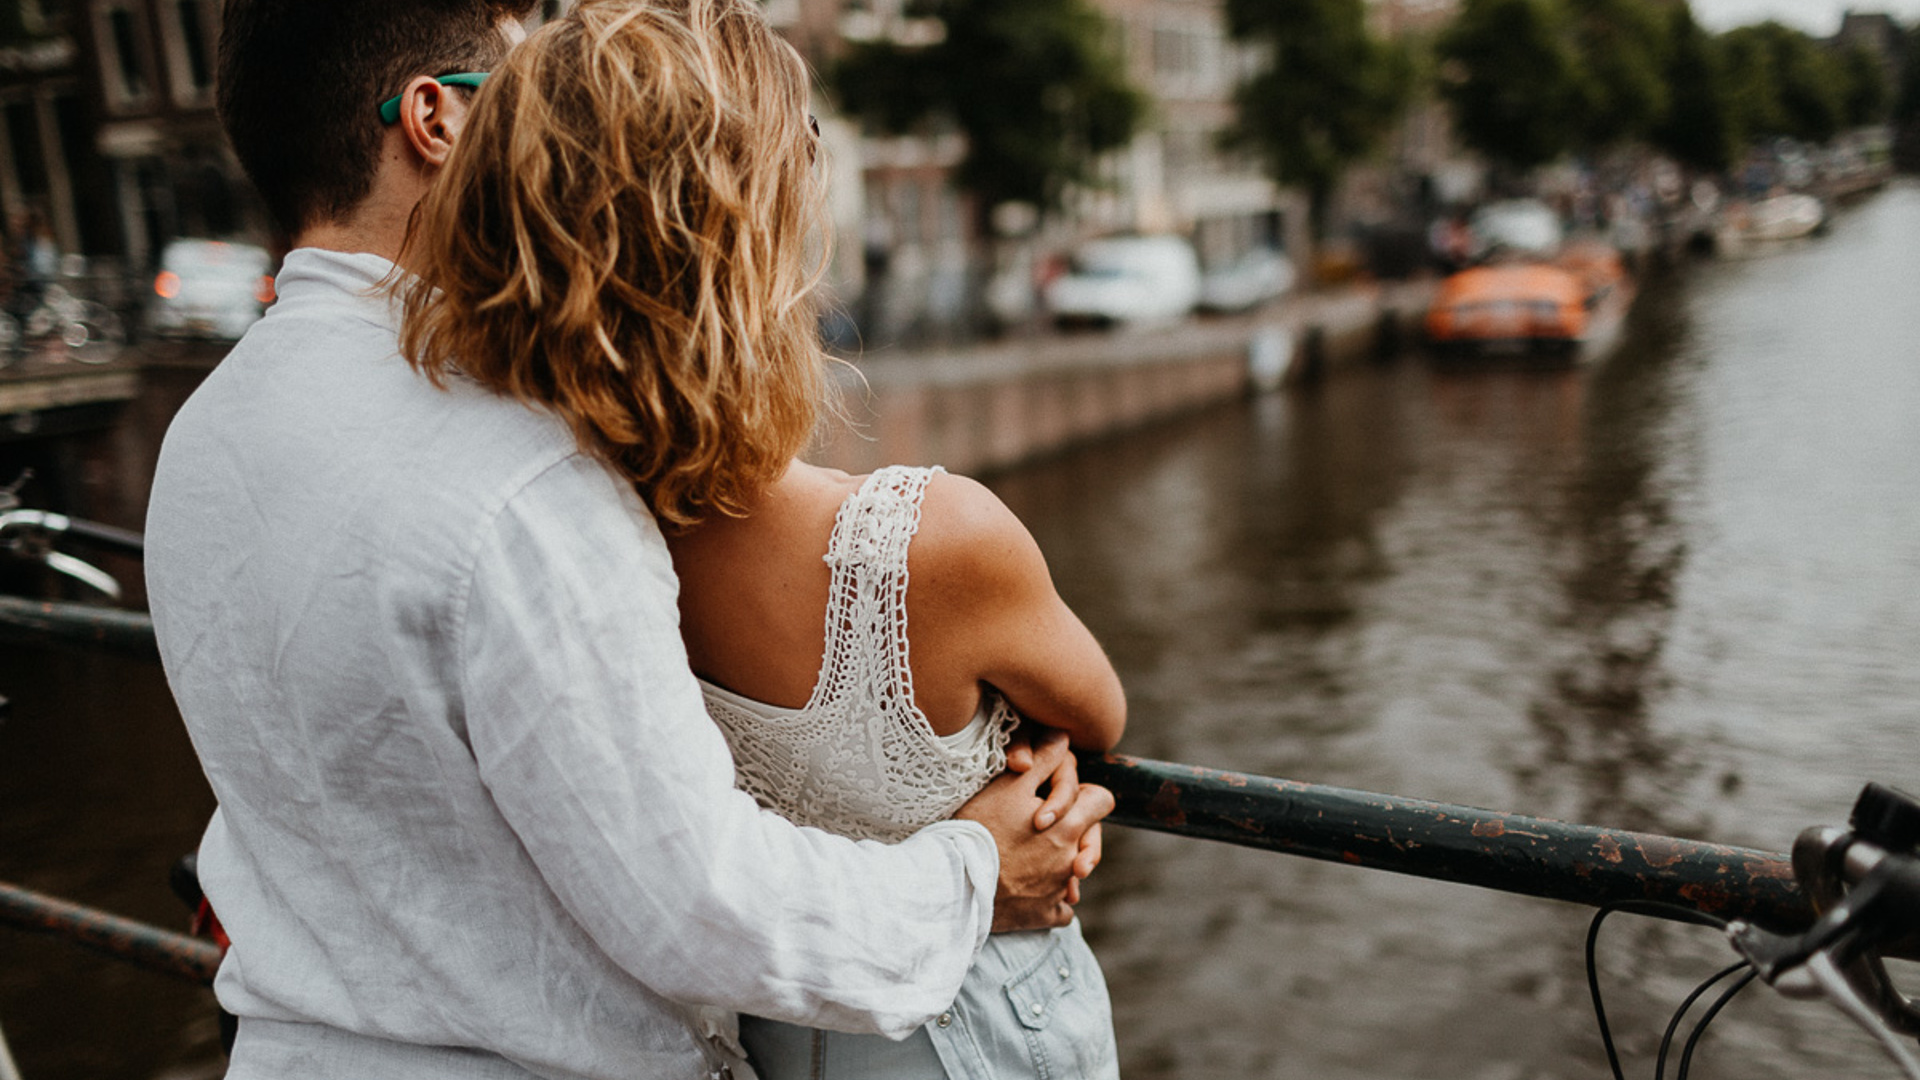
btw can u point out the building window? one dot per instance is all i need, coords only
(23, 147)
(1191, 58)
(188, 25)
(123, 55)
(1173, 52)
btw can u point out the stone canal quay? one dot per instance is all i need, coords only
(989, 407)
(90, 433)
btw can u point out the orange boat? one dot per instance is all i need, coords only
(1511, 307)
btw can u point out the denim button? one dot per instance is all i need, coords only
(945, 1020)
(1065, 971)
(1037, 1008)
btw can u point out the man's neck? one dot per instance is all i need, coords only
(378, 226)
(351, 237)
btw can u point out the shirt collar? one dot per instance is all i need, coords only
(317, 277)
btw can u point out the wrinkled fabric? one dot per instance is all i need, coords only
(474, 821)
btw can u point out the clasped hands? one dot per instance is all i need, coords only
(1048, 844)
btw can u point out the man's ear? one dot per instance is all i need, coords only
(431, 117)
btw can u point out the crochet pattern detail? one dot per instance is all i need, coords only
(860, 759)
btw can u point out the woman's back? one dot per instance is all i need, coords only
(856, 635)
(858, 757)
(981, 607)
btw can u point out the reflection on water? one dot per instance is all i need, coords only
(1679, 592)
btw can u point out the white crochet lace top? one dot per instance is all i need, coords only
(860, 759)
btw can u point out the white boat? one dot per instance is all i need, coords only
(1769, 220)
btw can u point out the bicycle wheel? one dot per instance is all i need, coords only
(96, 336)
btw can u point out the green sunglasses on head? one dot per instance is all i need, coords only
(390, 108)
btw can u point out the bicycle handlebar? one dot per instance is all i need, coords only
(29, 534)
(111, 536)
(1865, 885)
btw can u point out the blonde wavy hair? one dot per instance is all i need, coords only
(622, 236)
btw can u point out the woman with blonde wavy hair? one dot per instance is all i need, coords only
(625, 235)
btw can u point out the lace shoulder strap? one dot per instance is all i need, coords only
(867, 606)
(876, 523)
(861, 759)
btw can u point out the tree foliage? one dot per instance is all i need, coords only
(1530, 80)
(1515, 82)
(1697, 128)
(1623, 47)
(1865, 94)
(1034, 85)
(1326, 95)
(1906, 106)
(1783, 83)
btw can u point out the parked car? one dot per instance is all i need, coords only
(209, 289)
(1515, 226)
(1260, 275)
(1126, 279)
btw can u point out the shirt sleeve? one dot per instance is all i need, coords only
(593, 740)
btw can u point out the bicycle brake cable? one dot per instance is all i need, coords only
(1638, 907)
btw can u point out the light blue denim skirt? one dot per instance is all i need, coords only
(1033, 1006)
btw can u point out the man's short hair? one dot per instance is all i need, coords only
(301, 82)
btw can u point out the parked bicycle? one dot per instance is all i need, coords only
(31, 535)
(62, 320)
(1865, 884)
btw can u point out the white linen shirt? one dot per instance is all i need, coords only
(473, 819)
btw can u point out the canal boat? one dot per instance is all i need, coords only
(1772, 220)
(1569, 305)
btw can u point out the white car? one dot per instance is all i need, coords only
(209, 289)
(1127, 279)
(1260, 275)
(1519, 226)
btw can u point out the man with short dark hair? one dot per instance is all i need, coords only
(293, 94)
(474, 821)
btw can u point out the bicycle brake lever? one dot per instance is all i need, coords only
(1847, 939)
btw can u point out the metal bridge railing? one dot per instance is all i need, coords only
(1529, 856)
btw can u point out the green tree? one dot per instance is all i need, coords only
(1034, 85)
(1325, 96)
(1865, 96)
(1783, 83)
(1510, 71)
(1622, 48)
(1697, 129)
(1906, 106)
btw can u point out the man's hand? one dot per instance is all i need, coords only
(1040, 864)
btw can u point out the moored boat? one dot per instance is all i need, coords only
(1776, 218)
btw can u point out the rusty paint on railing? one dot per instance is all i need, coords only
(1509, 852)
(44, 622)
(147, 946)
(1525, 855)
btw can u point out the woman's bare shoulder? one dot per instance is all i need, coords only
(786, 520)
(971, 543)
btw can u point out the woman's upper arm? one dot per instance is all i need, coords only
(984, 607)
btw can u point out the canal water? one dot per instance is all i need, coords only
(1677, 591)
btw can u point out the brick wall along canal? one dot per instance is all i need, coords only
(1675, 592)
